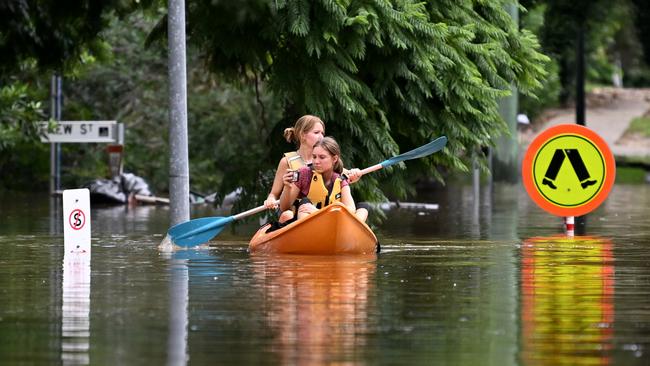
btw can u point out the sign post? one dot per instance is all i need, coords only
(110, 132)
(568, 170)
(76, 221)
(75, 305)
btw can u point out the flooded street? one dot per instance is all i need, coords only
(483, 280)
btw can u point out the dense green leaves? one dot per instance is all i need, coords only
(18, 111)
(53, 33)
(385, 76)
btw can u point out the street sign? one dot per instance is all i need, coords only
(76, 221)
(81, 132)
(568, 170)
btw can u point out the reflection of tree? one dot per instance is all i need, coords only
(567, 290)
(317, 306)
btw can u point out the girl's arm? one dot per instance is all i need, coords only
(278, 184)
(289, 194)
(347, 200)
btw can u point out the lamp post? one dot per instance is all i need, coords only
(179, 180)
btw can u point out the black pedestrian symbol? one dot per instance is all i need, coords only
(576, 162)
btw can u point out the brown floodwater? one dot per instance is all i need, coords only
(488, 281)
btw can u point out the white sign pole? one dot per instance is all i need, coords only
(75, 306)
(76, 221)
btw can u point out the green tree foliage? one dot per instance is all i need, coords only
(51, 32)
(18, 110)
(548, 96)
(641, 8)
(385, 76)
(614, 33)
(225, 122)
(637, 62)
(39, 37)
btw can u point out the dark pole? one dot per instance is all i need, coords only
(580, 76)
(580, 221)
(56, 96)
(59, 114)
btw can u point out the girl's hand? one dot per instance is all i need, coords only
(287, 178)
(353, 175)
(271, 203)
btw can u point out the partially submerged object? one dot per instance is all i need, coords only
(117, 189)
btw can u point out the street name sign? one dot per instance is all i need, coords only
(80, 132)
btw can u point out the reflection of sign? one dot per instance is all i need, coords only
(567, 301)
(80, 131)
(76, 221)
(568, 170)
(75, 310)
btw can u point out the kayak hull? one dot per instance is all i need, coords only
(329, 231)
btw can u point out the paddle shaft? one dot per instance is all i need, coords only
(370, 169)
(214, 223)
(252, 211)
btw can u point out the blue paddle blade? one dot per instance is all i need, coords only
(197, 231)
(422, 151)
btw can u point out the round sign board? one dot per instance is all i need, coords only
(568, 170)
(77, 219)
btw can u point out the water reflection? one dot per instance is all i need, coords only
(75, 308)
(129, 219)
(317, 307)
(567, 288)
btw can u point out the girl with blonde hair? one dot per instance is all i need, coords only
(307, 130)
(319, 185)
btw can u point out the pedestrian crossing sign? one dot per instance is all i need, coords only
(568, 170)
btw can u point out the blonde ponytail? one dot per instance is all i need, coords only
(303, 125)
(290, 135)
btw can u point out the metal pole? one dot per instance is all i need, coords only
(580, 102)
(55, 148)
(179, 185)
(505, 166)
(59, 98)
(569, 225)
(52, 146)
(580, 76)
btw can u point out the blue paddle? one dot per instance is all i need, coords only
(422, 151)
(198, 231)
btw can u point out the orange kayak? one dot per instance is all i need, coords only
(332, 230)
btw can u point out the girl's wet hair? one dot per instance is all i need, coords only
(303, 125)
(332, 147)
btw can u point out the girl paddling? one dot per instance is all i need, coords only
(305, 133)
(319, 185)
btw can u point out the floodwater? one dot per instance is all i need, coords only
(485, 281)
